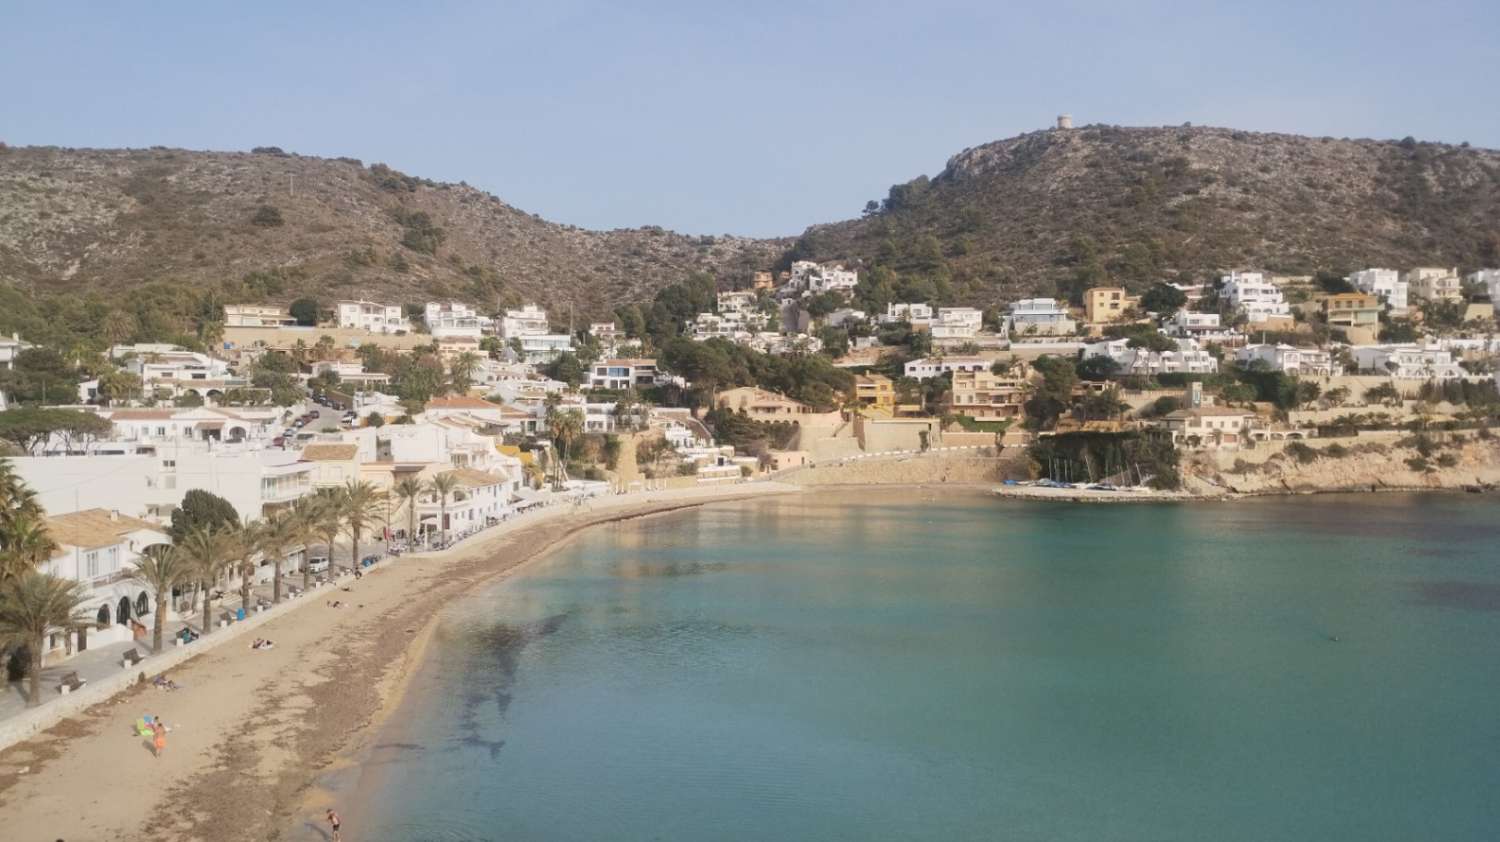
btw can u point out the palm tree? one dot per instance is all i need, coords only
(409, 490)
(443, 485)
(161, 568)
(330, 518)
(245, 543)
(361, 507)
(461, 371)
(208, 554)
(565, 427)
(305, 526)
(279, 534)
(24, 543)
(33, 606)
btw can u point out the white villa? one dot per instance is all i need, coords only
(1434, 284)
(622, 374)
(254, 315)
(530, 320)
(1040, 317)
(915, 314)
(1407, 362)
(1251, 294)
(814, 278)
(452, 319)
(929, 367)
(1307, 362)
(1204, 327)
(373, 317)
(1385, 284)
(956, 323)
(1189, 358)
(97, 549)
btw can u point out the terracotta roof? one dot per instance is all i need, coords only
(329, 452)
(470, 478)
(1204, 411)
(461, 402)
(142, 414)
(94, 528)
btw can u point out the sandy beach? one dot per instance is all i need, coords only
(252, 731)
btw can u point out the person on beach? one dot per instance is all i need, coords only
(158, 737)
(334, 821)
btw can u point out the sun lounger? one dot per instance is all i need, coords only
(70, 682)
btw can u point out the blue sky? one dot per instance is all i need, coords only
(746, 118)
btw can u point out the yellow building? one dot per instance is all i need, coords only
(1352, 309)
(761, 405)
(875, 391)
(1107, 304)
(985, 396)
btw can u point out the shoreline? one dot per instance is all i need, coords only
(254, 734)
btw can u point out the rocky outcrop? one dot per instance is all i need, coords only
(1453, 465)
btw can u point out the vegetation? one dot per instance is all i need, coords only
(1126, 458)
(32, 606)
(202, 510)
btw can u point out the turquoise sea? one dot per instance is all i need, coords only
(904, 665)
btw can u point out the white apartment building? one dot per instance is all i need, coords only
(1385, 284)
(1040, 317)
(1304, 362)
(373, 317)
(452, 319)
(623, 374)
(1407, 362)
(1251, 294)
(97, 548)
(152, 484)
(1434, 284)
(530, 320)
(927, 368)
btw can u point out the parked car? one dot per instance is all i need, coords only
(317, 563)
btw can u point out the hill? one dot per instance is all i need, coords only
(1056, 210)
(1045, 212)
(269, 226)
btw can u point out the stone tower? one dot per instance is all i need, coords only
(1065, 121)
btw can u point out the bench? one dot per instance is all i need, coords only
(225, 619)
(131, 658)
(70, 682)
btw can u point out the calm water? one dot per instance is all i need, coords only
(866, 668)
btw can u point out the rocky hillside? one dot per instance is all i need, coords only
(1059, 209)
(1040, 213)
(270, 226)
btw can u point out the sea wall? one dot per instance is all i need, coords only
(924, 469)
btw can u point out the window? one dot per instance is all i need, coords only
(91, 564)
(112, 559)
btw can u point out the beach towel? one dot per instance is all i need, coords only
(143, 726)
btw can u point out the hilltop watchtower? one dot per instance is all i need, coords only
(1065, 121)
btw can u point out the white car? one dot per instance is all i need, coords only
(317, 563)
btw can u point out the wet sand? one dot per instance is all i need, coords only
(252, 732)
